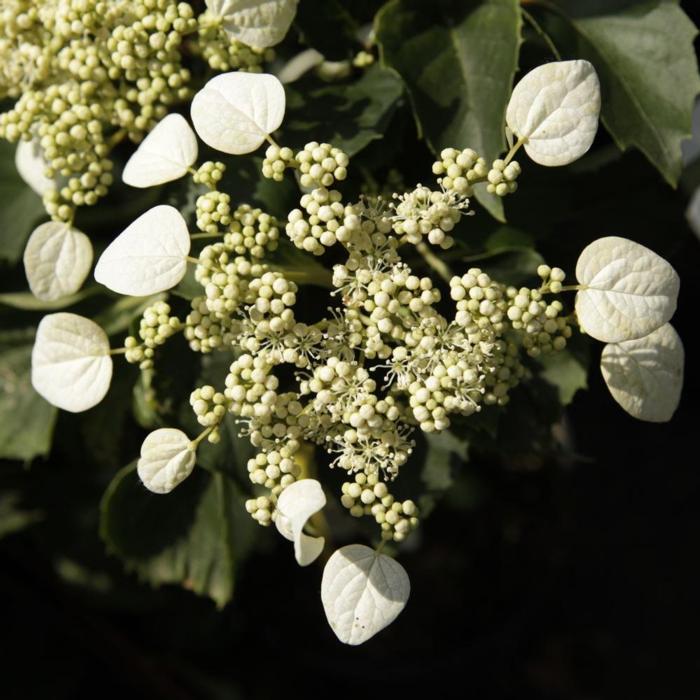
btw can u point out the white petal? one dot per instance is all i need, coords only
(31, 166)
(149, 256)
(645, 376)
(57, 260)
(629, 292)
(71, 365)
(258, 23)
(235, 112)
(362, 592)
(555, 108)
(167, 459)
(296, 504)
(165, 154)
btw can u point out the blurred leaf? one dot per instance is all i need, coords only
(26, 419)
(437, 468)
(325, 25)
(117, 317)
(13, 517)
(347, 115)
(566, 372)
(26, 301)
(186, 537)
(648, 71)
(458, 60)
(21, 206)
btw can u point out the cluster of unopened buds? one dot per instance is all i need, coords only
(399, 351)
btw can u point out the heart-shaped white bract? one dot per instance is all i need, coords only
(258, 23)
(362, 592)
(235, 112)
(554, 109)
(148, 257)
(645, 376)
(296, 504)
(57, 259)
(167, 459)
(71, 364)
(164, 155)
(629, 291)
(31, 166)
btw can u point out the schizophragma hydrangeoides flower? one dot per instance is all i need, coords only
(397, 353)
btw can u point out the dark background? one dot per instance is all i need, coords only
(577, 580)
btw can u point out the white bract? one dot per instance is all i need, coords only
(296, 504)
(150, 256)
(71, 364)
(645, 376)
(628, 290)
(554, 109)
(167, 459)
(165, 154)
(31, 166)
(362, 592)
(258, 23)
(235, 112)
(57, 259)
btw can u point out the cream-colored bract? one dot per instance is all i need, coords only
(258, 23)
(147, 257)
(296, 504)
(235, 112)
(629, 291)
(31, 166)
(57, 260)
(362, 592)
(167, 459)
(71, 364)
(645, 376)
(555, 110)
(164, 155)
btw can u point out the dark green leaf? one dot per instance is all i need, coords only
(458, 60)
(187, 537)
(328, 27)
(13, 517)
(26, 419)
(21, 206)
(347, 115)
(566, 372)
(648, 71)
(437, 468)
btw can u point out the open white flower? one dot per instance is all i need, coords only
(236, 112)
(167, 459)
(71, 364)
(645, 376)
(164, 155)
(57, 260)
(258, 23)
(362, 592)
(149, 256)
(296, 504)
(554, 109)
(31, 166)
(628, 290)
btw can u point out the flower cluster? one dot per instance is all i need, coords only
(87, 74)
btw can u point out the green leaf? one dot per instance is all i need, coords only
(21, 206)
(458, 60)
(648, 71)
(566, 372)
(117, 317)
(328, 27)
(437, 468)
(187, 537)
(26, 301)
(13, 517)
(26, 420)
(347, 115)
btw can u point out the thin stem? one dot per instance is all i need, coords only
(543, 35)
(195, 236)
(566, 288)
(514, 149)
(115, 138)
(271, 141)
(190, 259)
(303, 277)
(433, 261)
(117, 351)
(201, 436)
